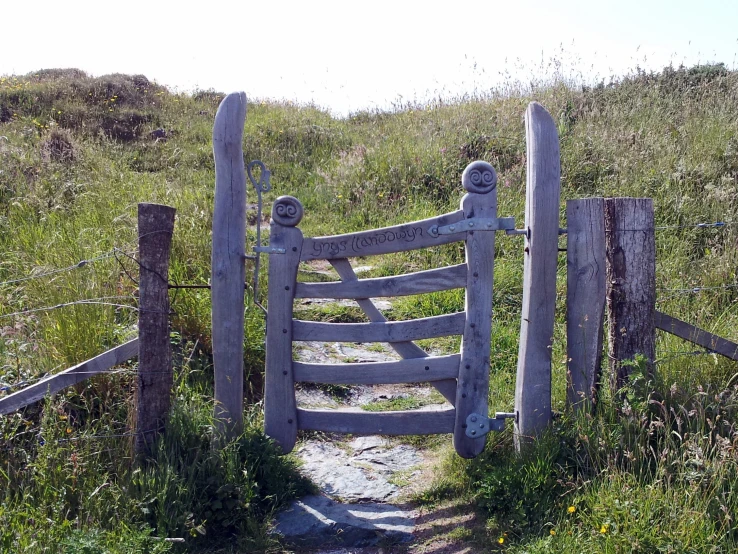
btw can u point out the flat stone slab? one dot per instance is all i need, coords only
(318, 521)
(339, 477)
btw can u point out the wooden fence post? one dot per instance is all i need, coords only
(533, 383)
(155, 228)
(631, 284)
(585, 299)
(228, 270)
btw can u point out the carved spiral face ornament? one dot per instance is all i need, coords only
(287, 211)
(479, 177)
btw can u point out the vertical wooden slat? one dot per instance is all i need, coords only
(280, 407)
(228, 269)
(585, 299)
(480, 180)
(533, 384)
(154, 386)
(631, 284)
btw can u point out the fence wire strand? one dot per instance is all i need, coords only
(80, 264)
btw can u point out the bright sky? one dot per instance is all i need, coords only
(351, 55)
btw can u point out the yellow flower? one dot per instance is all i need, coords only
(501, 540)
(571, 509)
(604, 528)
(552, 533)
(69, 430)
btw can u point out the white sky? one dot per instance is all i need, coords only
(351, 55)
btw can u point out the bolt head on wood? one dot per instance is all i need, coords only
(287, 211)
(479, 177)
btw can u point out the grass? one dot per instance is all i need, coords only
(652, 470)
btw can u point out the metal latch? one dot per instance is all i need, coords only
(263, 184)
(474, 224)
(478, 425)
(268, 250)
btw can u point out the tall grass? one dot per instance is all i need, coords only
(78, 153)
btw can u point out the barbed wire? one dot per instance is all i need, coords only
(693, 290)
(678, 354)
(78, 265)
(714, 224)
(102, 300)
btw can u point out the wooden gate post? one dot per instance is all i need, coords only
(585, 299)
(280, 406)
(228, 270)
(155, 228)
(631, 284)
(533, 383)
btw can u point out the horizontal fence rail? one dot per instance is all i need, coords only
(696, 335)
(397, 331)
(433, 280)
(418, 370)
(419, 422)
(68, 377)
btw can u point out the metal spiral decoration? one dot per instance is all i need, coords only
(479, 177)
(287, 211)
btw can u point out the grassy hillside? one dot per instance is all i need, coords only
(78, 153)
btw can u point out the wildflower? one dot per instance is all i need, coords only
(501, 540)
(605, 527)
(69, 430)
(571, 509)
(552, 533)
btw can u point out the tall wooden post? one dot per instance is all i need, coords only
(631, 284)
(155, 228)
(480, 181)
(280, 406)
(533, 383)
(228, 270)
(585, 299)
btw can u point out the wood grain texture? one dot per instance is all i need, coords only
(228, 269)
(533, 383)
(280, 416)
(155, 377)
(585, 299)
(417, 370)
(433, 280)
(695, 335)
(396, 331)
(631, 284)
(399, 238)
(54, 383)
(418, 422)
(407, 350)
(473, 383)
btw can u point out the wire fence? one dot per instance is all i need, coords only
(129, 253)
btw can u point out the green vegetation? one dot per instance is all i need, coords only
(653, 470)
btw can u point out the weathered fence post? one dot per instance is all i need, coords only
(228, 270)
(155, 228)
(585, 299)
(631, 284)
(533, 383)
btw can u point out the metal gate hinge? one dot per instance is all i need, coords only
(474, 224)
(478, 425)
(269, 250)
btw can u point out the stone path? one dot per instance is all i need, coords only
(365, 482)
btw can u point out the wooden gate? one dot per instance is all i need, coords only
(462, 378)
